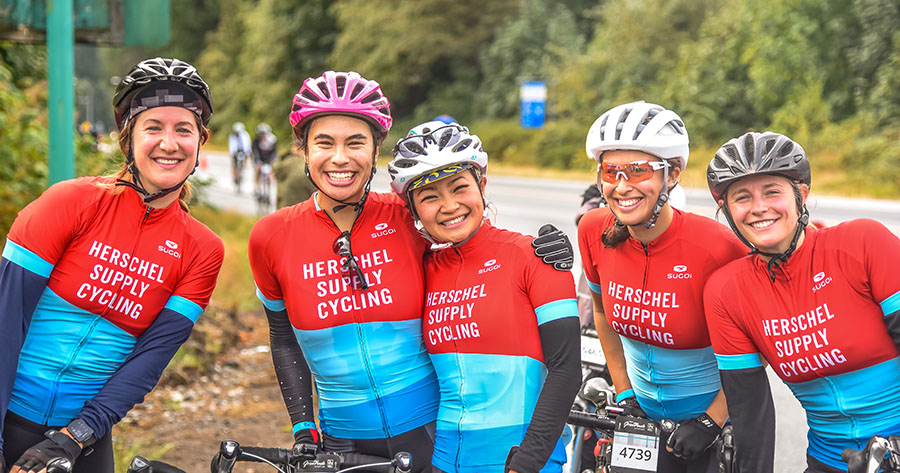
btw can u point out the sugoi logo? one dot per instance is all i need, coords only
(679, 272)
(170, 248)
(489, 265)
(821, 281)
(382, 229)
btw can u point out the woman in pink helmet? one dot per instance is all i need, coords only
(340, 276)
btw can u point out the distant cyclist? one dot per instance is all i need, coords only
(265, 149)
(239, 148)
(102, 279)
(821, 306)
(646, 264)
(500, 324)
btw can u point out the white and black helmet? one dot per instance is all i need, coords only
(640, 126)
(420, 159)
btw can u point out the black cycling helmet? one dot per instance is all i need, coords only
(756, 153)
(162, 71)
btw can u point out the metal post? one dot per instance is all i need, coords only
(61, 77)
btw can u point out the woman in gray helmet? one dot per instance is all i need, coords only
(820, 306)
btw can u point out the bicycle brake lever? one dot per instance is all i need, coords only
(402, 462)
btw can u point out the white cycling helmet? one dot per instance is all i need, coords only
(640, 126)
(430, 154)
(237, 127)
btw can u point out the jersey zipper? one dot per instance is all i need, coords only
(462, 375)
(648, 347)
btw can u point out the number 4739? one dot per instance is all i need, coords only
(640, 454)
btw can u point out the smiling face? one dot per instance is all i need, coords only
(340, 153)
(764, 210)
(452, 208)
(165, 143)
(632, 201)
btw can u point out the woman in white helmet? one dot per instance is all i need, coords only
(500, 322)
(646, 264)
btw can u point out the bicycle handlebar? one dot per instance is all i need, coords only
(594, 421)
(230, 453)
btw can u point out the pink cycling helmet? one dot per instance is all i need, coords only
(341, 93)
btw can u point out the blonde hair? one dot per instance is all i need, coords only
(184, 195)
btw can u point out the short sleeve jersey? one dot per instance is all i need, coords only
(653, 298)
(485, 300)
(820, 325)
(364, 347)
(113, 264)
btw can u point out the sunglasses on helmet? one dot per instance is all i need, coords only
(444, 136)
(637, 171)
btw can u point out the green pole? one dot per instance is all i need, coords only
(61, 75)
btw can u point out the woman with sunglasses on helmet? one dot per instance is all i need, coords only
(102, 279)
(340, 276)
(500, 324)
(646, 264)
(821, 306)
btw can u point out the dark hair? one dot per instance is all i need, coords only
(614, 235)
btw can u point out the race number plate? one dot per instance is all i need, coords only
(635, 445)
(592, 352)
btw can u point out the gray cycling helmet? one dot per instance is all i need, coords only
(164, 82)
(756, 153)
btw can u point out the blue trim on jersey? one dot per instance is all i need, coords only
(556, 310)
(477, 451)
(739, 362)
(846, 409)
(595, 288)
(304, 426)
(483, 397)
(68, 355)
(673, 384)
(273, 305)
(185, 307)
(397, 392)
(27, 259)
(891, 304)
(624, 395)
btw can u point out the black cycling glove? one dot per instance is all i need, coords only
(692, 437)
(554, 248)
(57, 445)
(631, 407)
(306, 442)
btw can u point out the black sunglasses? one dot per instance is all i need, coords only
(342, 248)
(444, 136)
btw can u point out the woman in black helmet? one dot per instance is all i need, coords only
(820, 306)
(102, 279)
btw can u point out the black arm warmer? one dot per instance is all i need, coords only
(561, 343)
(293, 373)
(893, 325)
(752, 414)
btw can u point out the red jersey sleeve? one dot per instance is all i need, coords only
(265, 249)
(733, 347)
(47, 225)
(551, 292)
(198, 284)
(881, 250)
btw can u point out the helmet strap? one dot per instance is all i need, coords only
(660, 202)
(358, 205)
(138, 186)
(775, 259)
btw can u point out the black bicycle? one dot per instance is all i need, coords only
(880, 454)
(303, 459)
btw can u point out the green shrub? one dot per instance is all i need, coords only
(507, 142)
(561, 145)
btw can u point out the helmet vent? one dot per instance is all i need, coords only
(356, 90)
(770, 143)
(340, 82)
(462, 145)
(324, 88)
(405, 163)
(619, 128)
(371, 97)
(311, 96)
(786, 150)
(749, 148)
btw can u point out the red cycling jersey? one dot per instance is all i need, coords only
(820, 325)
(652, 297)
